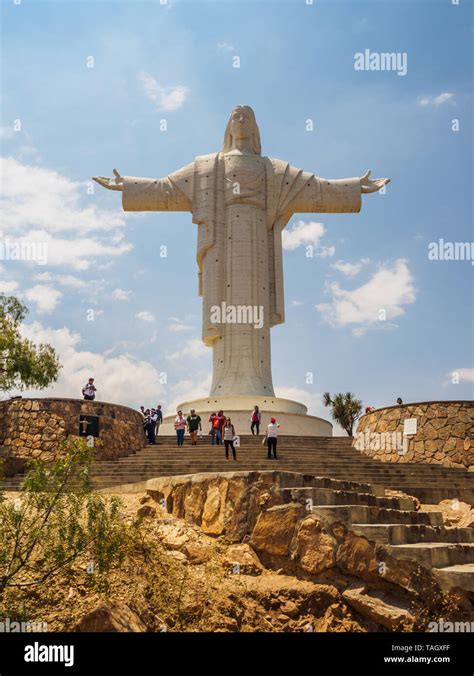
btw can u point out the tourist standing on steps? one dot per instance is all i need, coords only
(255, 419)
(151, 426)
(194, 424)
(271, 438)
(221, 419)
(217, 421)
(229, 436)
(159, 418)
(89, 390)
(180, 426)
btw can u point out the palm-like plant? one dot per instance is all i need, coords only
(345, 409)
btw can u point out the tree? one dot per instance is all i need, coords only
(58, 521)
(345, 409)
(22, 363)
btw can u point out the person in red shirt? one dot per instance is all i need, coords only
(215, 429)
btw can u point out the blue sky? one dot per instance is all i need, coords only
(175, 62)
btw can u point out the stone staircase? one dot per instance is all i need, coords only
(320, 456)
(391, 522)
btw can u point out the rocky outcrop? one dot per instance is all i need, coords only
(289, 533)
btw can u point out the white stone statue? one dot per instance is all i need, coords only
(241, 202)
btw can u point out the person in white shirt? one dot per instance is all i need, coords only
(271, 437)
(89, 390)
(228, 432)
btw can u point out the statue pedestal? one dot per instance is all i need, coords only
(291, 415)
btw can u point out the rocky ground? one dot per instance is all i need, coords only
(184, 580)
(179, 579)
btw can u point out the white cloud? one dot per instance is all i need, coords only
(40, 205)
(350, 269)
(445, 97)
(145, 316)
(296, 302)
(193, 349)
(326, 251)
(302, 233)
(76, 253)
(464, 374)
(178, 326)
(44, 296)
(386, 292)
(121, 294)
(121, 379)
(41, 198)
(63, 280)
(165, 98)
(8, 286)
(188, 389)
(71, 280)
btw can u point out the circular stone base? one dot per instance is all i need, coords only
(291, 415)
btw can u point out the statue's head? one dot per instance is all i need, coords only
(242, 125)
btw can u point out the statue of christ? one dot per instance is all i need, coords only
(241, 202)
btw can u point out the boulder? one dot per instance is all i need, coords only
(315, 548)
(379, 607)
(241, 559)
(213, 510)
(274, 530)
(111, 616)
(356, 556)
(146, 510)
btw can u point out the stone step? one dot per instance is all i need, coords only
(184, 468)
(398, 534)
(156, 466)
(206, 456)
(365, 514)
(460, 575)
(298, 481)
(327, 496)
(434, 554)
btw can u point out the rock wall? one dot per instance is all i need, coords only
(444, 434)
(33, 428)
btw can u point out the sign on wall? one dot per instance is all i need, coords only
(410, 426)
(89, 425)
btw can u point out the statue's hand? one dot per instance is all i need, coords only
(110, 183)
(369, 185)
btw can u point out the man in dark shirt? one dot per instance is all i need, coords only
(159, 418)
(194, 424)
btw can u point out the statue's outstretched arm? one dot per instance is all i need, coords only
(343, 195)
(172, 193)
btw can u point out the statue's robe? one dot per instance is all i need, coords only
(200, 187)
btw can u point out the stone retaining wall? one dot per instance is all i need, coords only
(33, 428)
(444, 435)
